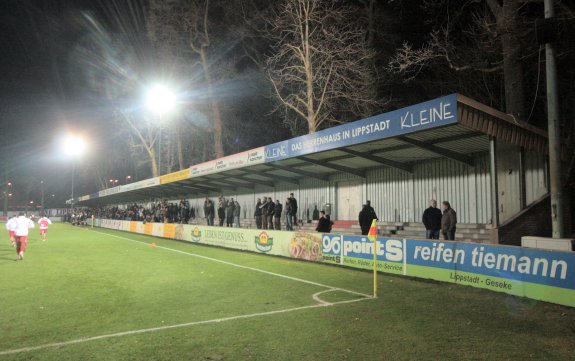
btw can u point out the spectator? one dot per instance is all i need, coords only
(270, 213)
(288, 212)
(293, 209)
(221, 210)
(258, 214)
(365, 219)
(448, 221)
(371, 211)
(184, 210)
(230, 213)
(209, 211)
(324, 223)
(264, 208)
(277, 215)
(237, 213)
(432, 220)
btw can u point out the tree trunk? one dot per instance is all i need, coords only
(512, 67)
(311, 115)
(152, 155)
(370, 14)
(217, 118)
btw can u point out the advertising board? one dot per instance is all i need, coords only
(533, 273)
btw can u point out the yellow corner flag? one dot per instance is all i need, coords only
(372, 236)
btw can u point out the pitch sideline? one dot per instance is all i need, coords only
(315, 297)
(167, 327)
(244, 267)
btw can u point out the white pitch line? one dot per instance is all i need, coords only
(244, 267)
(167, 327)
(315, 296)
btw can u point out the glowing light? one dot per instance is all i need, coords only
(160, 100)
(74, 146)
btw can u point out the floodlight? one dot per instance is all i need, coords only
(160, 99)
(74, 146)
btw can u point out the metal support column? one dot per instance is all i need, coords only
(554, 134)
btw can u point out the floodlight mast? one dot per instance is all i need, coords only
(160, 100)
(74, 147)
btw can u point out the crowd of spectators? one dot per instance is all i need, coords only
(77, 216)
(268, 214)
(161, 212)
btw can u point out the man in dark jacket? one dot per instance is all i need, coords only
(365, 219)
(432, 220)
(230, 213)
(264, 209)
(222, 210)
(448, 221)
(270, 212)
(209, 211)
(258, 214)
(277, 215)
(237, 214)
(293, 209)
(324, 223)
(287, 211)
(371, 211)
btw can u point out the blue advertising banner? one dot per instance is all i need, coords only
(534, 273)
(431, 114)
(512, 263)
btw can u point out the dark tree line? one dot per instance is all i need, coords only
(252, 72)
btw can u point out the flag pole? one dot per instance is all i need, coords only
(372, 236)
(375, 267)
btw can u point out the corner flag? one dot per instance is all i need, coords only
(372, 236)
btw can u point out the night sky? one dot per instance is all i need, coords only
(43, 93)
(64, 62)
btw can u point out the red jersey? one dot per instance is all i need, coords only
(44, 222)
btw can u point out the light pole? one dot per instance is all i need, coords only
(74, 147)
(42, 196)
(7, 195)
(160, 100)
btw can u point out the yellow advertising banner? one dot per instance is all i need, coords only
(149, 228)
(175, 176)
(302, 245)
(170, 230)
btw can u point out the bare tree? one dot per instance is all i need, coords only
(178, 26)
(196, 24)
(164, 25)
(143, 138)
(489, 43)
(320, 65)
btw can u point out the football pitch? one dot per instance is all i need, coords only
(95, 294)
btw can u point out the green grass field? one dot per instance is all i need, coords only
(102, 295)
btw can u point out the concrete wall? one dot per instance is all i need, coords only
(533, 221)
